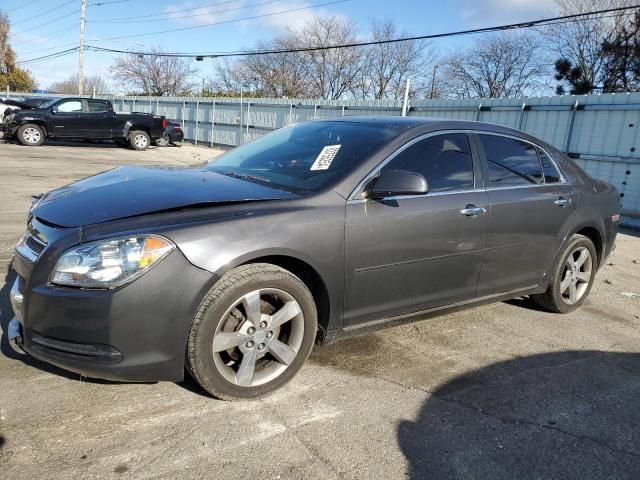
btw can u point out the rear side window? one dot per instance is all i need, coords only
(511, 161)
(551, 174)
(444, 161)
(94, 106)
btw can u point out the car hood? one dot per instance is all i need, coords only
(132, 191)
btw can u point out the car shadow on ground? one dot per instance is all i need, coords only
(570, 415)
(6, 314)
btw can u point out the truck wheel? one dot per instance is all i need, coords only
(30, 135)
(252, 332)
(163, 141)
(139, 140)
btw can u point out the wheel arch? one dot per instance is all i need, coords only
(40, 123)
(595, 235)
(311, 278)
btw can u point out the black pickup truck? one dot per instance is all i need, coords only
(83, 118)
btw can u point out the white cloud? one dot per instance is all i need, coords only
(491, 12)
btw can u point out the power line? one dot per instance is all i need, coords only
(22, 6)
(154, 15)
(189, 16)
(227, 21)
(512, 26)
(51, 55)
(48, 22)
(100, 4)
(44, 13)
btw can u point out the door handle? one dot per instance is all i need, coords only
(562, 202)
(472, 211)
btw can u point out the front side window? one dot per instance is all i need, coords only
(70, 106)
(444, 160)
(511, 161)
(94, 106)
(306, 157)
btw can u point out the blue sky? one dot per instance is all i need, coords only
(58, 30)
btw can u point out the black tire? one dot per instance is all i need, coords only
(31, 135)
(139, 140)
(163, 141)
(216, 312)
(554, 299)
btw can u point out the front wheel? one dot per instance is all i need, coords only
(31, 135)
(252, 333)
(572, 278)
(139, 140)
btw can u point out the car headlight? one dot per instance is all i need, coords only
(109, 263)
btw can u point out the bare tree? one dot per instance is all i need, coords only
(69, 86)
(330, 72)
(154, 74)
(387, 66)
(577, 45)
(504, 65)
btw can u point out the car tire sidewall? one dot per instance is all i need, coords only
(211, 315)
(21, 131)
(576, 241)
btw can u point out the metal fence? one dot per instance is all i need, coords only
(600, 132)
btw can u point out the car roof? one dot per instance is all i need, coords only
(426, 124)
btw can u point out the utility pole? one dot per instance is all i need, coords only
(433, 82)
(81, 49)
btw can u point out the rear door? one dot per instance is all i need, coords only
(67, 118)
(531, 211)
(409, 253)
(99, 119)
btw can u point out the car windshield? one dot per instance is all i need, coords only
(306, 157)
(48, 104)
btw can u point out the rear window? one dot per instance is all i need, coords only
(511, 161)
(551, 174)
(94, 106)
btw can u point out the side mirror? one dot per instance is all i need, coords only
(54, 109)
(397, 182)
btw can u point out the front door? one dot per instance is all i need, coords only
(67, 119)
(531, 207)
(405, 254)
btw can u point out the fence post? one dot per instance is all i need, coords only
(572, 119)
(315, 110)
(133, 106)
(184, 105)
(213, 119)
(157, 106)
(197, 118)
(123, 103)
(342, 114)
(290, 113)
(524, 106)
(405, 100)
(478, 112)
(248, 117)
(7, 92)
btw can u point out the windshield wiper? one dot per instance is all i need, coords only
(243, 176)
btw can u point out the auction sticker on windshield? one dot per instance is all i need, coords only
(326, 156)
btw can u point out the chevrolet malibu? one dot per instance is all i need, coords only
(233, 269)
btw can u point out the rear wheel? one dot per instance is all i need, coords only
(31, 135)
(252, 333)
(139, 140)
(573, 277)
(163, 141)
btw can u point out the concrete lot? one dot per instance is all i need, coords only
(501, 391)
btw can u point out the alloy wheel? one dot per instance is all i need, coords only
(578, 270)
(31, 135)
(259, 336)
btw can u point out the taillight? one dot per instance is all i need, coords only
(164, 123)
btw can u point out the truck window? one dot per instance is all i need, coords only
(70, 106)
(95, 106)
